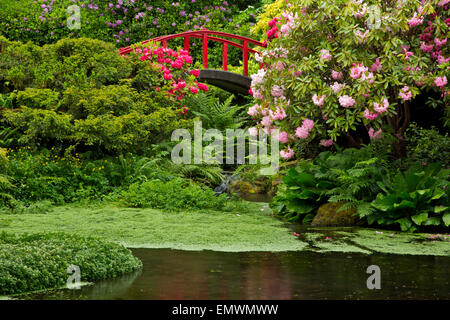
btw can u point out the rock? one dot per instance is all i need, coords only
(329, 215)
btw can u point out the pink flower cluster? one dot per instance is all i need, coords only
(346, 101)
(287, 154)
(303, 131)
(405, 93)
(174, 66)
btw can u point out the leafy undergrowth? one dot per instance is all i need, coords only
(40, 261)
(255, 229)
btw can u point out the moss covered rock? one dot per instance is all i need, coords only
(330, 215)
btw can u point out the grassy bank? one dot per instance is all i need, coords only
(255, 230)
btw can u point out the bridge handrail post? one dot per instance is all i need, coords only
(186, 44)
(225, 57)
(205, 50)
(245, 58)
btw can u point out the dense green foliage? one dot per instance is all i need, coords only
(380, 192)
(176, 194)
(80, 93)
(428, 145)
(40, 261)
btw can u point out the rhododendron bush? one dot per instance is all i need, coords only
(177, 76)
(337, 65)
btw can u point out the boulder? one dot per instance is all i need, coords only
(329, 215)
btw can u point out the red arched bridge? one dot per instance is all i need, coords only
(229, 81)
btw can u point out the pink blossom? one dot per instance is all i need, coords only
(279, 114)
(336, 87)
(283, 137)
(440, 81)
(375, 135)
(297, 73)
(426, 48)
(376, 67)
(336, 75)
(370, 116)
(253, 110)
(381, 108)
(326, 143)
(301, 132)
(287, 154)
(194, 90)
(266, 121)
(405, 93)
(325, 54)
(361, 35)
(369, 77)
(308, 124)
(318, 101)
(277, 91)
(357, 71)
(279, 66)
(253, 131)
(415, 20)
(440, 43)
(346, 101)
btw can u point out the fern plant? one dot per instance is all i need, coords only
(215, 114)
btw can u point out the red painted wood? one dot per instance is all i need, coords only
(245, 58)
(225, 57)
(186, 44)
(206, 35)
(205, 50)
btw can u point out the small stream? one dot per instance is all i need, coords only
(173, 274)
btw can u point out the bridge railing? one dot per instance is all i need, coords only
(208, 35)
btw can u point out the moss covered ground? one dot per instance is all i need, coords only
(254, 230)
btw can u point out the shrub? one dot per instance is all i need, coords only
(175, 194)
(40, 261)
(418, 197)
(428, 145)
(333, 67)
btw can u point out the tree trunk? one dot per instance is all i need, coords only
(399, 124)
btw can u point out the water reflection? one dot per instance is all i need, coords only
(172, 274)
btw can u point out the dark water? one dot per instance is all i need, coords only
(171, 274)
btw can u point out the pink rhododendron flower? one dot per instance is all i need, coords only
(346, 101)
(287, 154)
(279, 114)
(195, 73)
(253, 131)
(361, 35)
(301, 132)
(381, 108)
(426, 48)
(297, 73)
(415, 20)
(203, 87)
(308, 124)
(336, 75)
(279, 66)
(375, 134)
(405, 93)
(194, 90)
(440, 43)
(318, 101)
(369, 77)
(283, 137)
(376, 67)
(325, 54)
(326, 143)
(357, 71)
(440, 81)
(266, 121)
(336, 87)
(253, 110)
(277, 91)
(370, 116)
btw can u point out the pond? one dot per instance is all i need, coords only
(173, 274)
